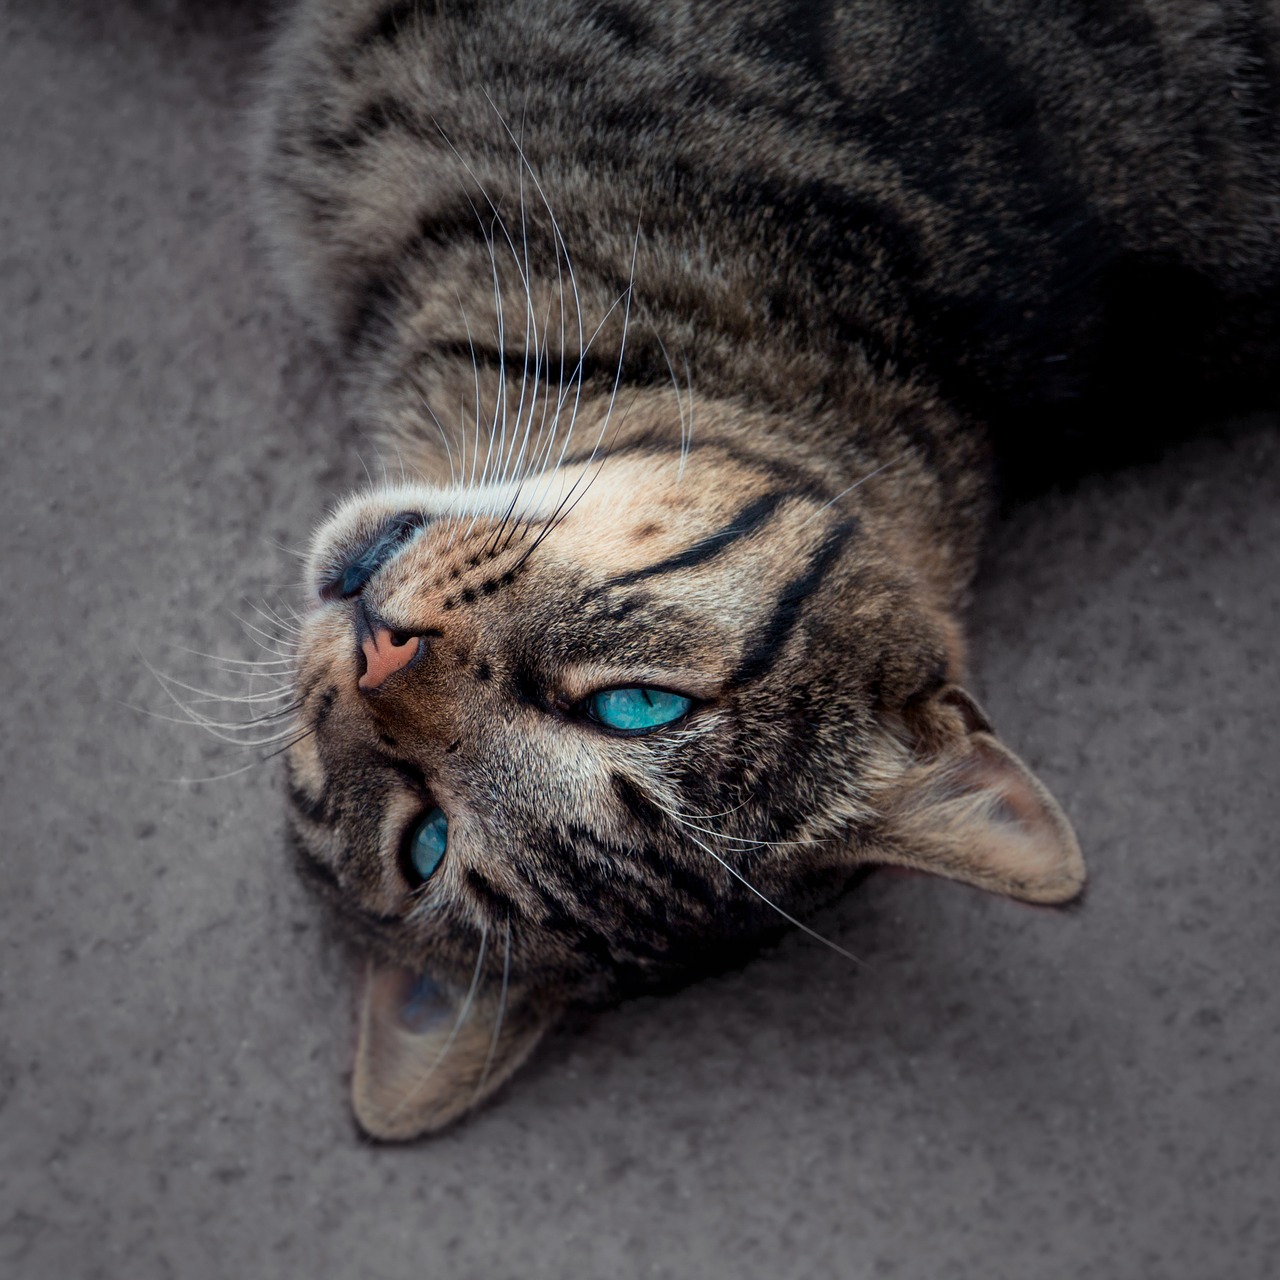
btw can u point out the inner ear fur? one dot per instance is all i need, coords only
(422, 1061)
(962, 805)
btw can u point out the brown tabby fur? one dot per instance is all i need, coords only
(692, 326)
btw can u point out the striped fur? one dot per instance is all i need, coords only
(695, 328)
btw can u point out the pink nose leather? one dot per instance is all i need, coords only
(383, 657)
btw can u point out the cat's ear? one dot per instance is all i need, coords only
(963, 805)
(421, 1060)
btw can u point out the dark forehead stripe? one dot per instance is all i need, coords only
(610, 887)
(580, 368)
(762, 649)
(750, 518)
(697, 892)
(373, 119)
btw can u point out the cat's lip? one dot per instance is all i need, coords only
(358, 562)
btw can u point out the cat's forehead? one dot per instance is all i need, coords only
(608, 514)
(634, 510)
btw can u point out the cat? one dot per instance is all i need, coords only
(697, 329)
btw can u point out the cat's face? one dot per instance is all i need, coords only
(599, 731)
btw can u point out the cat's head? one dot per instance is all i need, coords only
(609, 727)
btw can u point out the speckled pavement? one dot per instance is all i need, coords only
(1001, 1092)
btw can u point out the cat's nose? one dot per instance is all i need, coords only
(384, 655)
(383, 651)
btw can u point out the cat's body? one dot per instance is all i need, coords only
(864, 241)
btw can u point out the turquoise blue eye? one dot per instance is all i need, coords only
(427, 843)
(637, 709)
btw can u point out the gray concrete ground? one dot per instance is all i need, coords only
(1002, 1092)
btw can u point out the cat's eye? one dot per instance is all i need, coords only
(637, 709)
(425, 847)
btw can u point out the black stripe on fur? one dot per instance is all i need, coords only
(750, 518)
(763, 649)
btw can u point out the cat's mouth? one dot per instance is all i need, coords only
(352, 565)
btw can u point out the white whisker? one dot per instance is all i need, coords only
(844, 492)
(790, 919)
(502, 1009)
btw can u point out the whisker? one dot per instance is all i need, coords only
(617, 378)
(844, 492)
(257, 663)
(265, 640)
(208, 694)
(273, 615)
(502, 1009)
(219, 729)
(733, 871)
(213, 728)
(675, 385)
(254, 700)
(289, 746)
(688, 438)
(575, 379)
(790, 919)
(295, 552)
(213, 777)
(743, 840)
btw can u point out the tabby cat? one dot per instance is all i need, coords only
(694, 328)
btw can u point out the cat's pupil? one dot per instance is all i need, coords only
(637, 708)
(428, 843)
